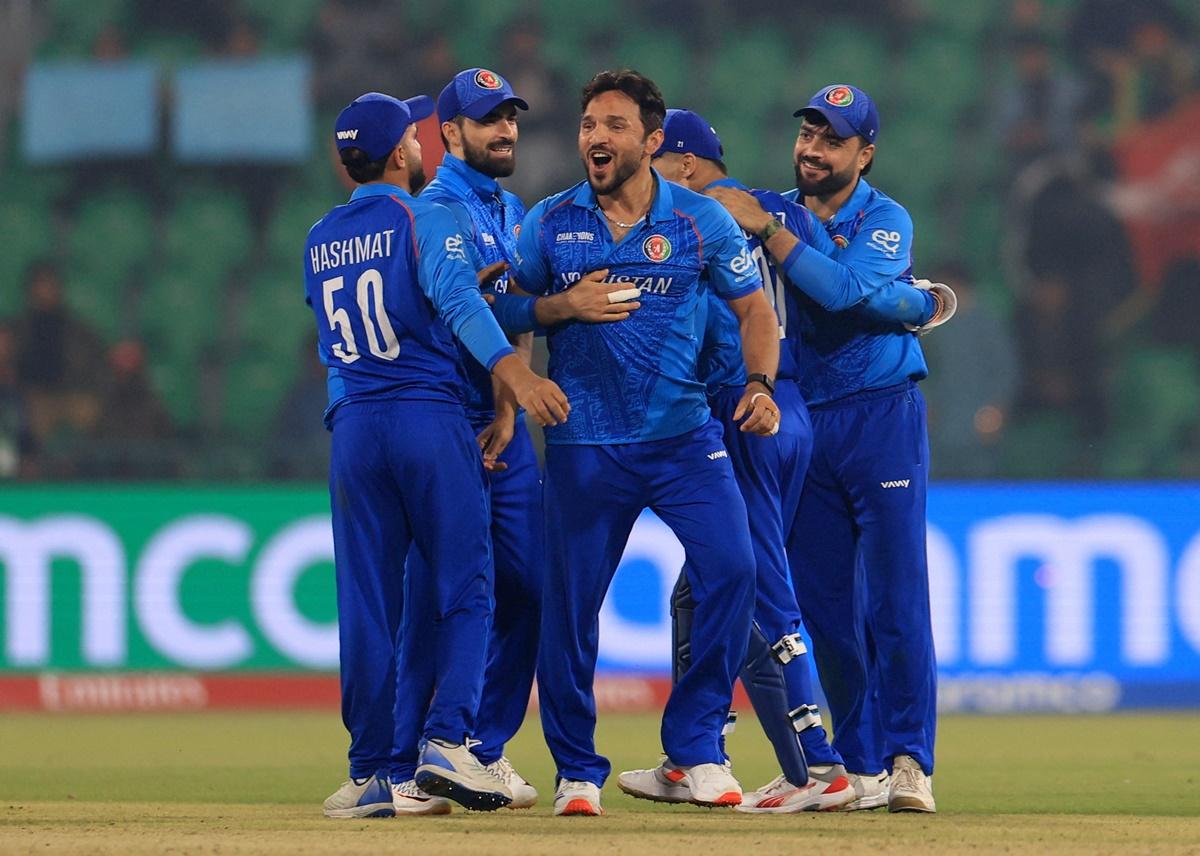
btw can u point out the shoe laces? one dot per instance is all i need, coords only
(569, 786)
(408, 788)
(907, 776)
(777, 785)
(503, 770)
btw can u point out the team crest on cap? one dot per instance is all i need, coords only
(840, 96)
(842, 241)
(657, 248)
(487, 79)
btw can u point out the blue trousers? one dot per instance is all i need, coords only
(857, 552)
(517, 536)
(408, 475)
(770, 474)
(594, 495)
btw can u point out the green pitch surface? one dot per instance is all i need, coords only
(253, 783)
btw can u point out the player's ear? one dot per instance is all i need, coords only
(396, 159)
(451, 134)
(653, 142)
(689, 165)
(865, 156)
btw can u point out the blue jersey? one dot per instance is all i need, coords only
(848, 352)
(388, 278)
(635, 380)
(721, 363)
(489, 217)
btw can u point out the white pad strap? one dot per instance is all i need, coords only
(789, 648)
(804, 717)
(730, 723)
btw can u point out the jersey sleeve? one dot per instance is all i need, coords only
(466, 227)
(448, 280)
(731, 268)
(880, 253)
(533, 271)
(900, 303)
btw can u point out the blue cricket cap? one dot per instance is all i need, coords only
(375, 122)
(685, 131)
(849, 111)
(474, 93)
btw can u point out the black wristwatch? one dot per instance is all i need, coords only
(765, 380)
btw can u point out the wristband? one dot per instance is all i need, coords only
(769, 230)
(765, 380)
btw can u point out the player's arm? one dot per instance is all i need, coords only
(734, 277)
(585, 300)
(879, 254)
(450, 283)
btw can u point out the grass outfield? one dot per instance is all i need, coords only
(253, 783)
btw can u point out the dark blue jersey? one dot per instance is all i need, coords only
(844, 352)
(388, 278)
(634, 380)
(489, 217)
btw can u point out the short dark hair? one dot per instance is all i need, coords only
(816, 118)
(359, 165)
(457, 120)
(641, 89)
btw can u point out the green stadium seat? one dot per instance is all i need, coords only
(182, 315)
(272, 317)
(1157, 405)
(170, 49)
(846, 53)
(28, 235)
(1040, 447)
(940, 77)
(254, 386)
(963, 18)
(769, 54)
(208, 232)
(176, 377)
(285, 26)
(76, 23)
(665, 58)
(295, 214)
(113, 235)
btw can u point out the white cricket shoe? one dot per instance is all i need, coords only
(408, 799)
(911, 789)
(701, 784)
(365, 797)
(828, 789)
(449, 770)
(577, 799)
(524, 795)
(870, 791)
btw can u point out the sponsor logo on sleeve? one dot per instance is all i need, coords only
(885, 241)
(454, 248)
(742, 263)
(657, 248)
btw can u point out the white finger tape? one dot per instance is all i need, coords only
(623, 295)
(775, 430)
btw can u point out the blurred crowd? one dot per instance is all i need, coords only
(1074, 353)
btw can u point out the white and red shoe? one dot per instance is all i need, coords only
(577, 799)
(701, 784)
(827, 790)
(408, 799)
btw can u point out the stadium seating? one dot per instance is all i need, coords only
(28, 236)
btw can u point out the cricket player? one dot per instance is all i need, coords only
(389, 281)
(770, 471)
(478, 114)
(641, 434)
(858, 550)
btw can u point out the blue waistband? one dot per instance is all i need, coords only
(866, 395)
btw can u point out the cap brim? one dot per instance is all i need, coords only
(419, 107)
(488, 103)
(835, 119)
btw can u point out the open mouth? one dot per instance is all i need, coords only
(501, 148)
(600, 159)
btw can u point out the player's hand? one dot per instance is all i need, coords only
(494, 439)
(745, 209)
(542, 398)
(946, 305)
(491, 273)
(761, 412)
(589, 299)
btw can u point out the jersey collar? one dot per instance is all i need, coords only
(854, 205)
(365, 190)
(726, 182)
(484, 185)
(661, 208)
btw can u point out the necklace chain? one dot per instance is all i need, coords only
(617, 222)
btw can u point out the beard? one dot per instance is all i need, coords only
(826, 186)
(621, 169)
(416, 177)
(490, 163)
